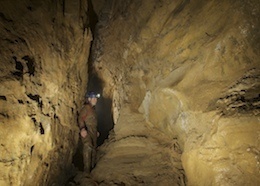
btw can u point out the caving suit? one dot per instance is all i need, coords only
(87, 119)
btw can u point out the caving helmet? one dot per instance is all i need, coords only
(92, 95)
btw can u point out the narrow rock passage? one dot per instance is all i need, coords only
(191, 67)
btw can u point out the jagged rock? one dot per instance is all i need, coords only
(43, 74)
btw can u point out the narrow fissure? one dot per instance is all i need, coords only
(103, 106)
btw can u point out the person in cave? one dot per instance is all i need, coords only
(87, 121)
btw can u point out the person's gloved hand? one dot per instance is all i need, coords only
(83, 133)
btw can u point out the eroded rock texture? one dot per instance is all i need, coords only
(180, 74)
(183, 78)
(43, 74)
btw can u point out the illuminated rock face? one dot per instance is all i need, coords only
(191, 69)
(183, 77)
(44, 52)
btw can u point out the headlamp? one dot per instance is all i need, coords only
(92, 95)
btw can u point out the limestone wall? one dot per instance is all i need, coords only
(43, 75)
(192, 69)
(183, 77)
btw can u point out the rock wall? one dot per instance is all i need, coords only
(191, 70)
(183, 77)
(43, 73)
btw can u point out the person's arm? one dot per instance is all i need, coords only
(81, 122)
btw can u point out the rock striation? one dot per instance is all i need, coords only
(182, 77)
(191, 69)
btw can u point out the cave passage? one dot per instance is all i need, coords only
(103, 107)
(179, 85)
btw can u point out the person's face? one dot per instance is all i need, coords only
(92, 101)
